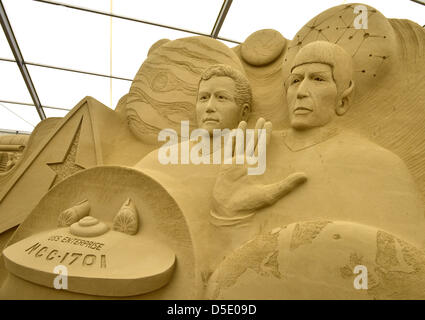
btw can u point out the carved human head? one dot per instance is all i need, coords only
(224, 98)
(320, 85)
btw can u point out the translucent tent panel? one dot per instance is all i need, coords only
(12, 85)
(5, 51)
(55, 112)
(119, 88)
(80, 40)
(99, 5)
(65, 89)
(58, 36)
(18, 117)
(248, 16)
(131, 42)
(193, 15)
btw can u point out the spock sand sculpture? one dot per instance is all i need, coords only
(336, 221)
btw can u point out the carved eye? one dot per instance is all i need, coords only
(203, 98)
(295, 81)
(318, 79)
(221, 97)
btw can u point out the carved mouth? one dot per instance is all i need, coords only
(302, 110)
(210, 120)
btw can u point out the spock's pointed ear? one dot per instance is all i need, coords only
(345, 99)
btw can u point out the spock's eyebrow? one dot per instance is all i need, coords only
(321, 73)
(291, 77)
(294, 76)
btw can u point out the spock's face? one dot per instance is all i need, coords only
(216, 107)
(311, 96)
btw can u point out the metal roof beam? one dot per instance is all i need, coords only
(120, 17)
(68, 69)
(221, 17)
(7, 131)
(422, 2)
(31, 105)
(20, 60)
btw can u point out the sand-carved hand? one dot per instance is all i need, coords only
(237, 195)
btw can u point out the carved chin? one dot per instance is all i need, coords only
(300, 124)
(304, 122)
(210, 126)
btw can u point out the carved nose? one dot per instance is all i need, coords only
(210, 107)
(302, 90)
(301, 95)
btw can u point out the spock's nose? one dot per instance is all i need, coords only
(302, 90)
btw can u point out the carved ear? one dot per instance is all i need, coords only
(245, 112)
(344, 102)
(127, 219)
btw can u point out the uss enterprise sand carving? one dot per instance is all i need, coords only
(342, 112)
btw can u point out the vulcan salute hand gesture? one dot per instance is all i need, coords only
(236, 196)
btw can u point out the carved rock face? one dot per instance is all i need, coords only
(105, 252)
(11, 150)
(216, 107)
(318, 260)
(73, 214)
(164, 90)
(127, 220)
(263, 47)
(373, 49)
(311, 96)
(95, 265)
(8, 160)
(361, 194)
(88, 227)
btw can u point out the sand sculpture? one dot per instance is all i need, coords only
(342, 191)
(11, 149)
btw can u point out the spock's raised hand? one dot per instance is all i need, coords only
(236, 194)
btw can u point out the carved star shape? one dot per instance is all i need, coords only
(68, 166)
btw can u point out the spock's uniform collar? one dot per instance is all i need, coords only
(300, 140)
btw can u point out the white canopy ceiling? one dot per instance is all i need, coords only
(78, 50)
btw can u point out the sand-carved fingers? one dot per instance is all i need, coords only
(237, 195)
